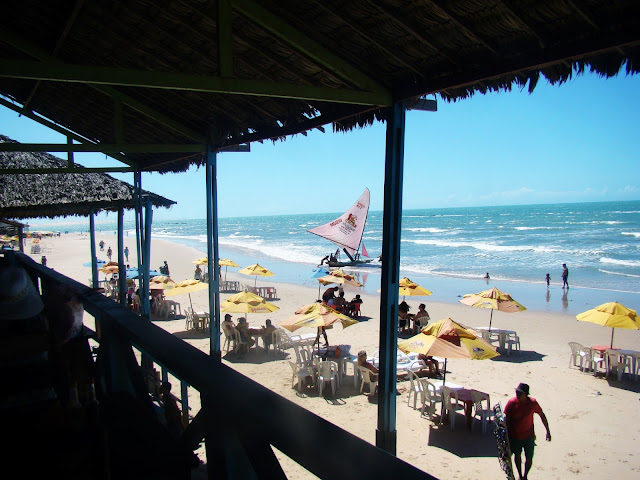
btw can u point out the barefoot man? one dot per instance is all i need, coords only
(519, 412)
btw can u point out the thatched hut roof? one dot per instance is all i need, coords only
(61, 194)
(188, 72)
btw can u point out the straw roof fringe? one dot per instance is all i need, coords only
(453, 49)
(64, 194)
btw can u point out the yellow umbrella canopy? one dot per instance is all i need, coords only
(247, 302)
(109, 269)
(163, 279)
(225, 262)
(449, 339)
(201, 261)
(187, 286)
(612, 314)
(316, 315)
(257, 271)
(407, 287)
(339, 277)
(495, 300)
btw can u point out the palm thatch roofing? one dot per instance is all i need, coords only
(235, 71)
(62, 194)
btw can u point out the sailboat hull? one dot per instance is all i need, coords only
(353, 263)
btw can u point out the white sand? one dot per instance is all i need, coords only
(593, 421)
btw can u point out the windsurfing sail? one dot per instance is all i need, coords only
(346, 230)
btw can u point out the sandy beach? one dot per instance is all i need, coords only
(593, 420)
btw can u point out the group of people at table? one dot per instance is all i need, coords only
(339, 303)
(247, 334)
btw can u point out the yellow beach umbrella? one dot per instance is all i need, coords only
(109, 269)
(339, 277)
(201, 261)
(257, 271)
(163, 280)
(316, 315)
(407, 287)
(187, 286)
(495, 300)
(247, 302)
(225, 262)
(449, 339)
(612, 314)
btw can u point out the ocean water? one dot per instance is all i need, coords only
(449, 250)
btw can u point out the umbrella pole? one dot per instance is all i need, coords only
(190, 303)
(612, 329)
(444, 379)
(490, 318)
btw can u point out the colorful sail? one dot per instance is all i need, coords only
(364, 251)
(346, 230)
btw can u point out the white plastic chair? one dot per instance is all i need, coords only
(575, 354)
(239, 342)
(229, 339)
(430, 397)
(301, 373)
(485, 414)
(614, 363)
(490, 337)
(328, 372)
(276, 342)
(450, 407)
(589, 360)
(415, 388)
(512, 341)
(366, 378)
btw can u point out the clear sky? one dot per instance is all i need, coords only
(572, 143)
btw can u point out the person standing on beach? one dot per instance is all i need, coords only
(519, 422)
(565, 276)
(109, 253)
(548, 279)
(126, 253)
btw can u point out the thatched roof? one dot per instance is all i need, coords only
(63, 194)
(279, 67)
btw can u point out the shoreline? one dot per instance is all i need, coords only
(534, 296)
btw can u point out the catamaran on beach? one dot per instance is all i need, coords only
(346, 232)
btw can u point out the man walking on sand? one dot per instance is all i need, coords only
(519, 421)
(565, 276)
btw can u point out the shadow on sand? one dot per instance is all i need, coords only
(462, 442)
(519, 356)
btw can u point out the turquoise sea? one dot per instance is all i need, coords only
(449, 250)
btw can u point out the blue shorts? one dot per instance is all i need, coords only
(527, 445)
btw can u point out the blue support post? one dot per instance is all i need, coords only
(122, 274)
(92, 243)
(391, 228)
(137, 183)
(144, 301)
(212, 251)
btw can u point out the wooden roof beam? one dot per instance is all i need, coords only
(63, 36)
(412, 32)
(371, 39)
(36, 52)
(60, 72)
(282, 30)
(462, 25)
(62, 130)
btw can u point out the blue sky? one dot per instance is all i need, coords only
(571, 143)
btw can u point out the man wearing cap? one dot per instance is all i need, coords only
(519, 420)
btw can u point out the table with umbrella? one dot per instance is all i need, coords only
(338, 277)
(248, 302)
(615, 315)
(318, 315)
(449, 339)
(494, 299)
(189, 286)
(256, 271)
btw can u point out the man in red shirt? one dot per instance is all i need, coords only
(519, 419)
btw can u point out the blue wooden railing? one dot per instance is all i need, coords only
(239, 420)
